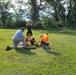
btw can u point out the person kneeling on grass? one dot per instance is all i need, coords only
(44, 40)
(33, 41)
(18, 37)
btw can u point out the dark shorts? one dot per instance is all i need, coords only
(47, 44)
(29, 33)
(43, 43)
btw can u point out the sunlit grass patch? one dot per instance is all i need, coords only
(58, 61)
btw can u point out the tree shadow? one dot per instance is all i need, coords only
(52, 52)
(25, 51)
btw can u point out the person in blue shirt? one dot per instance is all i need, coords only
(19, 37)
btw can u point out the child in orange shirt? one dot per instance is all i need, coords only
(33, 41)
(44, 40)
(26, 41)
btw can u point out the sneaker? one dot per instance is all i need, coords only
(8, 48)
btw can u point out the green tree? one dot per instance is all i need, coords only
(4, 11)
(58, 8)
(35, 8)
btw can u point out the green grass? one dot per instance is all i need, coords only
(39, 61)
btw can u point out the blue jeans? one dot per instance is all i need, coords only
(44, 45)
(16, 41)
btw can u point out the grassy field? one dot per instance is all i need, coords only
(39, 61)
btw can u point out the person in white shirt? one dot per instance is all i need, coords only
(19, 37)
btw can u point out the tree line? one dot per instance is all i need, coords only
(43, 14)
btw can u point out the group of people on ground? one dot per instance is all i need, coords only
(18, 37)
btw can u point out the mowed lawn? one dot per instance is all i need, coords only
(58, 61)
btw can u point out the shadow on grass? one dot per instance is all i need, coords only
(25, 51)
(52, 52)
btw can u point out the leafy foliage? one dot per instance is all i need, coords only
(55, 8)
